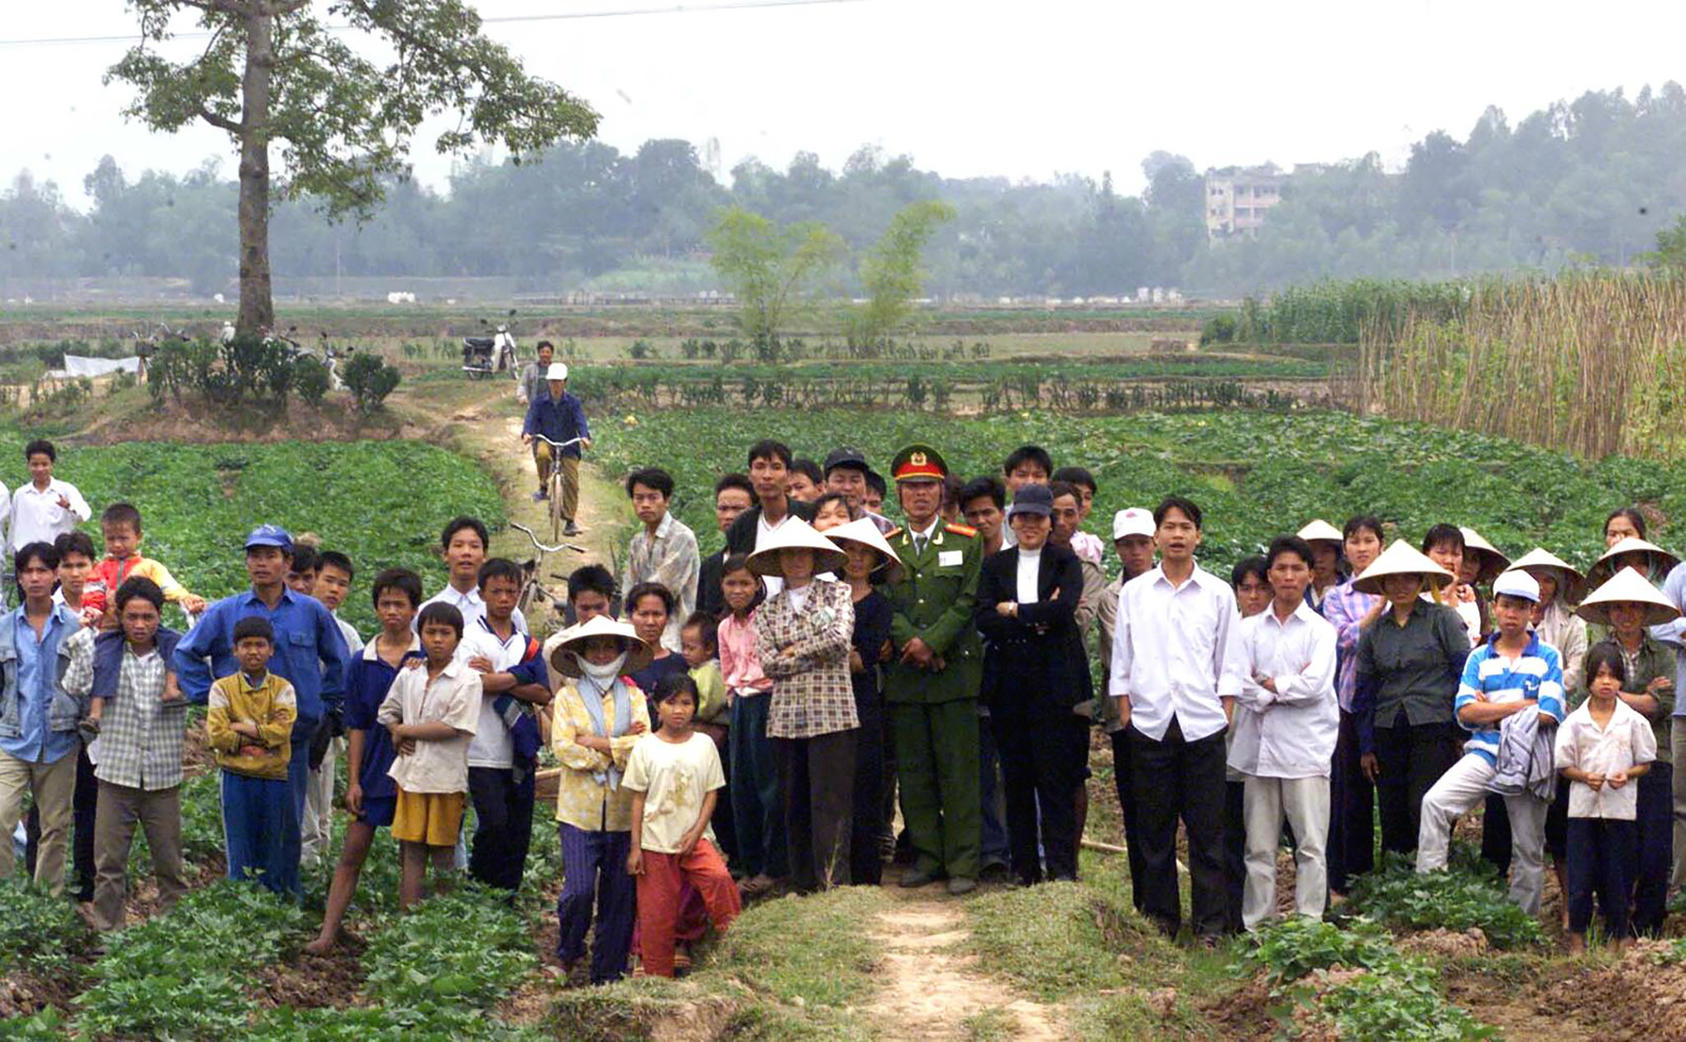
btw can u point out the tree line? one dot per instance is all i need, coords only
(1587, 181)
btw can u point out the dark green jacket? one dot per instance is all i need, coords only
(935, 600)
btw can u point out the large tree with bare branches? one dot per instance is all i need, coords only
(341, 86)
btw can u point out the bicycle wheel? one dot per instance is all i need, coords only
(556, 521)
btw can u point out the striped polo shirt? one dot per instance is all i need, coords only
(1536, 674)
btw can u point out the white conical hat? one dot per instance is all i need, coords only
(1660, 560)
(865, 532)
(1571, 584)
(1320, 531)
(1401, 559)
(572, 639)
(1492, 561)
(1627, 586)
(796, 533)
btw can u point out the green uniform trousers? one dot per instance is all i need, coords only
(937, 770)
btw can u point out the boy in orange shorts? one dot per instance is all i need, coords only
(431, 713)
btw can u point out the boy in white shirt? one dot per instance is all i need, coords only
(1601, 748)
(1286, 722)
(46, 506)
(431, 714)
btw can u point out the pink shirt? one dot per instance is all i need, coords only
(740, 663)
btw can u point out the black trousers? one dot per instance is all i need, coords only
(82, 834)
(1655, 826)
(1495, 834)
(1602, 855)
(866, 825)
(1042, 759)
(504, 809)
(1412, 757)
(1235, 853)
(817, 784)
(1173, 779)
(1352, 831)
(1127, 805)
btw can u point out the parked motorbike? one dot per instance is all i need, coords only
(484, 355)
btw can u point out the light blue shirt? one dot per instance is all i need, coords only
(1674, 633)
(37, 677)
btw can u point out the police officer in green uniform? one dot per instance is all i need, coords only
(931, 684)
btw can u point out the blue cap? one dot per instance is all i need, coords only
(270, 535)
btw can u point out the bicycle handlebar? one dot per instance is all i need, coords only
(557, 444)
(528, 532)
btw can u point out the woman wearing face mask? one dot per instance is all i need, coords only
(802, 635)
(599, 715)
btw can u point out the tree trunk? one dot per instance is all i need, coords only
(257, 306)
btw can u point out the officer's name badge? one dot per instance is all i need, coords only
(949, 558)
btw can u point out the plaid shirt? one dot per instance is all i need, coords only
(140, 737)
(670, 558)
(812, 692)
(1345, 608)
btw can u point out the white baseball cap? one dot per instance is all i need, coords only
(1133, 521)
(1517, 583)
(557, 371)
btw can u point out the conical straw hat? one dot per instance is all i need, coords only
(1660, 560)
(1627, 586)
(1321, 531)
(572, 639)
(865, 532)
(796, 534)
(1571, 585)
(1401, 559)
(1492, 561)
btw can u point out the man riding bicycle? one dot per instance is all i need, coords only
(556, 416)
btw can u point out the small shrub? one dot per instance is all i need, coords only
(1294, 947)
(39, 932)
(1467, 894)
(465, 949)
(370, 379)
(1399, 1007)
(1219, 329)
(310, 379)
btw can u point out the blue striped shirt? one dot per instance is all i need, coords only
(1537, 673)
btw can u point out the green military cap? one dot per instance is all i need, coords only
(918, 462)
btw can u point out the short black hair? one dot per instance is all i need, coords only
(653, 478)
(1028, 454)
(499, 568)
(544, 344)
(254, 627)
(1077, 476)
(1179, 503)
(1604, 653)
(987, 485)
(142, 587)
(836, 497)
(335, 559)
(1633, 515)
(951, 490)
(643, 590)
(403, 580)
(122, 514)
(704, 624)
(734, 563)
(672, 685)
(875, 481)
(303, 558)
(76, 542)
(767, 448)
(1443, 535)
(42, 447)
(737, 481)
(440, 614)
(1289, 544)
(1253, 565)
(808, 469)
(1359, 522)
(1056, 489)
(40, 550)
(457, 524)
(590, 578)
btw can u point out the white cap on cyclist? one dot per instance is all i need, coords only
(557, 371)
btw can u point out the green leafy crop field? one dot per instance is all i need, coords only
(1255, 474)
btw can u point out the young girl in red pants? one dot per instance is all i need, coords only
(675, 779)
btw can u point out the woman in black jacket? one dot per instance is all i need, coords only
(1039, 674)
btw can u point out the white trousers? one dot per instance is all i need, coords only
(1459, 791)
(1304, 803)
(316, 831)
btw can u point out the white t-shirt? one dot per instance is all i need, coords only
(1030, 563)
(471, 604)
(674, 777)
(1626, 741)
(773, 583)
(492, 745)
(453, 698)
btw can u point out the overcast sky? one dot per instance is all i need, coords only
(967, 87)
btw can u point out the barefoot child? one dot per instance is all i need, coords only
(370, 794)
(1601, 748)
(675, 778)
(431, 714)
(250, 725)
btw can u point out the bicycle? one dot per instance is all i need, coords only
(532, 581)
(553, 485)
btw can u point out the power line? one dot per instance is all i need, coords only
(730, 5)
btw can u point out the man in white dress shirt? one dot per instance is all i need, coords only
(46, 506)
(464, 542)
(1176, 670)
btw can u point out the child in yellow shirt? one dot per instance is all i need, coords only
(249, 725)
